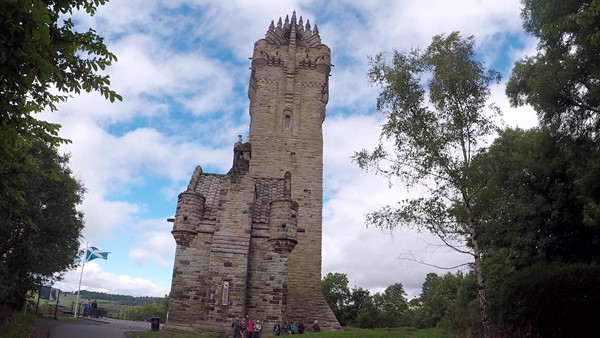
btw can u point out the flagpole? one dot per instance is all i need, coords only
(80, 278)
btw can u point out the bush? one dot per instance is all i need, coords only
(552, 300)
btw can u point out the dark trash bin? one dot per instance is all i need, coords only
(154, 323)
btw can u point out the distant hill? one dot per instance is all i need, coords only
(117, 299)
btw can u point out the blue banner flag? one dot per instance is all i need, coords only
(93, 253)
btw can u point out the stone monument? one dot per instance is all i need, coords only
(249, 241)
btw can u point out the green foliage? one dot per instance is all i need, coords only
(434, 138)
(18, 325)
(148, 310)
(369, 316)
(553, 300)
(359, 297)
(538, 204)
(119, 299)
(40, 236)
(393, 305)
(438, 120)
(334, 287)
(561, 82)
(43, 60)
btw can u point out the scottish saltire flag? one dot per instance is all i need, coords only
(93, 253)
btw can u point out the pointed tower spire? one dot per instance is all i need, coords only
(300, 22)
(316, 30)
(294, 17)
(279, 23)
(287, 19)
(307, 25)
(272, 25)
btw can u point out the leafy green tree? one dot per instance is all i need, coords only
(43, 60)
(394, 305)
(541, 199)
(334, 287)
(358, 298)
(437, 121)
(561, 82)
(369, 315)
(40, 237)
(437, 297)
(539, 208)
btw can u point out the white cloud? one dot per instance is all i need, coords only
(95, 278)
(154, 247)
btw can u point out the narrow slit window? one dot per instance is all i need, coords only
(287, 121)
(225, 292)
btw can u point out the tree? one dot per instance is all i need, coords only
(540, 203)
(357, 300)
(437, 121)
(561, 82)
(41, 236)
(334, 287)
(394, 305)
(43, 60)
(369, 315)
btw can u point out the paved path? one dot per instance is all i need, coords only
(104, 328)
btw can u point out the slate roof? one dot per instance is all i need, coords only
(209, 185)
(266, 190)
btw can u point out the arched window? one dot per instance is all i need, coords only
(287, 121)
(225, 292)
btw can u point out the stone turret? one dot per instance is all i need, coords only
(190, 208)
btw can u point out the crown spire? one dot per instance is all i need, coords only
(272, 25)
(279, 24)
(307, 25)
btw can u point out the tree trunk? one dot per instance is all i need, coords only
(483, 302)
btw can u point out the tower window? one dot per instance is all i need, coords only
(225, 292)
(287, 122)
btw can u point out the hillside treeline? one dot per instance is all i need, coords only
(118, 299)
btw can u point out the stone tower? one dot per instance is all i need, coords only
(249, 241)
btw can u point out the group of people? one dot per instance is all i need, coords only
(91, 309)
(289, 328)
(247, 328)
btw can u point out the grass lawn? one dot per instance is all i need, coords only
(347, 333)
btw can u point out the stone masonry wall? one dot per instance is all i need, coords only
(288, 92)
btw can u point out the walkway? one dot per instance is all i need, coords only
(102, 328)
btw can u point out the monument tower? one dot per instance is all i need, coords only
(249, 241)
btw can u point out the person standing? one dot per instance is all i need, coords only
(243, 328)
(235, 325)
(257, 328)
(316, 327)
(285, 328)
(276, 329)
(301, 327)
(250, 327)
(293, 328)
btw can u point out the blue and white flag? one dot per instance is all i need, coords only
(93, 253)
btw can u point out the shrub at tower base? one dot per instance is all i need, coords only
(552, 300)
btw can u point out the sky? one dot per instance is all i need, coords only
(183, 71)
